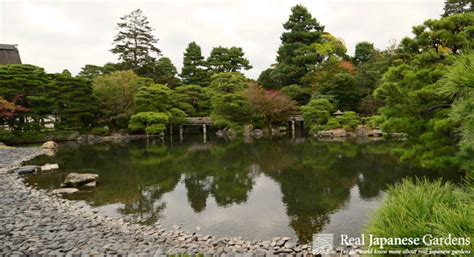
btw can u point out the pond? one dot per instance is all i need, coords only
(256, 190)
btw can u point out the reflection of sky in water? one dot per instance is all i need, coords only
(351, 218)
(261, 217)
(257, 191)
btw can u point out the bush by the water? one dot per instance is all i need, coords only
(414, 209)
(100, 131)
(21, 137)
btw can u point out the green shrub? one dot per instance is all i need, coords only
(156, 129)
(148, 122)
(317, 111)
(375, 121)
(414, 209)
(100, 131)
(6, 136)
(121, 121)
(23, 137)
(349, 120)
(36, 136)
(332, 123)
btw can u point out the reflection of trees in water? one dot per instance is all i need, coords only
(198, 189)
(312, 189)
(146, 208)
(315, 177)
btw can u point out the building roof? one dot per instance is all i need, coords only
(338, 112)
(8, 47)
(9, 54)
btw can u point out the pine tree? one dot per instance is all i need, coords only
(223, 59)
(29, 87)
(166, 74)
(364, 51)
(452, 7)
(296, 57)
(194, 66)
(135, 43)
(76, 105)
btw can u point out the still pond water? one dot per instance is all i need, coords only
(257, 190)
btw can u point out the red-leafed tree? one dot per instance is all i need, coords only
(10, 110)
(269, 105)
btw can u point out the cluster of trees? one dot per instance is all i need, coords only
(427, 92)
(30, 98)
(421, 86)
(143, 92)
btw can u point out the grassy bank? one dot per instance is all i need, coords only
(414, 209)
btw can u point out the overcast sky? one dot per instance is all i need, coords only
(66, 34)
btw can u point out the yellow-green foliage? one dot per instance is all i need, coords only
(349, 120)
(375, 121)
(414, 209)
(149, 122)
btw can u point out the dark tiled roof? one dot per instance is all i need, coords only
(7, 47)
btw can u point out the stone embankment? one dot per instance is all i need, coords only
(34, 221)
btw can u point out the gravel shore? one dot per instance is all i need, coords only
(33, 221)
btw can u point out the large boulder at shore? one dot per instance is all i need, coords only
(50, 145)
(248, 129)
(65, 191)
(362, 131)
(79, 179)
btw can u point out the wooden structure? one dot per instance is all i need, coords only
(206, 122)
(197, 121)
(9, 54)
(338, 113)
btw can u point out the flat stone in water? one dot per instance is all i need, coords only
(65, 190)
(29, 169)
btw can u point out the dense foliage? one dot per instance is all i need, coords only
(115, 93)
(421, 86)
(194, 71)
(422, 208)
(135, 44)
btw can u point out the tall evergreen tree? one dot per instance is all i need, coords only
(194, 66)
(414, 103)
(447, 35)
(296, 55)
(452, 7)
(223, 59)
(192, 99)
(76, 105)
(364, 51)
(135, 43)
(229, 108)
(166, 73)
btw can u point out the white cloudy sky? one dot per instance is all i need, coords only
(68, 34)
